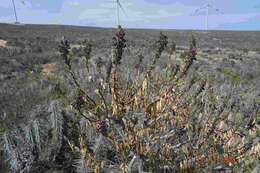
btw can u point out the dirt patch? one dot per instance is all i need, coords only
(3, 43)
(48, 68)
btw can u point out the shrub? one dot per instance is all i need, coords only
(149, 125)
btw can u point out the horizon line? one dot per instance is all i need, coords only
(141, 28)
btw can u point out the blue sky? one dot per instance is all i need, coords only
(172, 14)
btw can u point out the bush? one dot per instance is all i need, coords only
(126, 120)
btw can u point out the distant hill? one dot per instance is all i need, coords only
(210, 39)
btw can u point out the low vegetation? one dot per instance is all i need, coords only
(140, 114)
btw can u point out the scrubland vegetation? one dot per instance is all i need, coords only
(167, 105)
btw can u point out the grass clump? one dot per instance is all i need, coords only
(235, 77)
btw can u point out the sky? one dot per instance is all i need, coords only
(159, 14)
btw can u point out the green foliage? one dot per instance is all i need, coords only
(31, 77)
(161, 44)
(55, 78)
(192, 42)
(166, 74)
(60, 89)
(2, 129)
(257, 100)
(212, 97)
(245, 50)
(235, 77)
(247, 82)
(64, 50)
(242, 93)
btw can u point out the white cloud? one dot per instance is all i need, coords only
(19, 4)
(6, 3)
(140, 13)
(104, 13)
